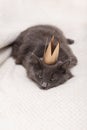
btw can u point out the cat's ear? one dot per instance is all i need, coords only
(65, 64)
(70, 41)
(34, 59)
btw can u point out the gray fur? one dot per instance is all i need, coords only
(28, 50)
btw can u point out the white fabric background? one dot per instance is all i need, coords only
(23, 106)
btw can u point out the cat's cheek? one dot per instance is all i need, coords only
(67, 76)
(30, 73)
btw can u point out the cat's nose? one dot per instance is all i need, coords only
(44, 85)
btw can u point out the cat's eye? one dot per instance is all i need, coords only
(52, 79)
(40, 76)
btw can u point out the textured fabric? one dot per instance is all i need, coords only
(23, 106)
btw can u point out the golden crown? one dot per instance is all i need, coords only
(49, 56)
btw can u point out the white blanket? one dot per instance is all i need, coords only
(23, 106)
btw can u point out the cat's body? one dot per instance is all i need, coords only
(28, 50)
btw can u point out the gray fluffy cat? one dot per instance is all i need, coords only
(28, 50)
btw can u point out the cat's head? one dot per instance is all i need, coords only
(48, 76)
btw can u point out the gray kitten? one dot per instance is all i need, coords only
(28, 50)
